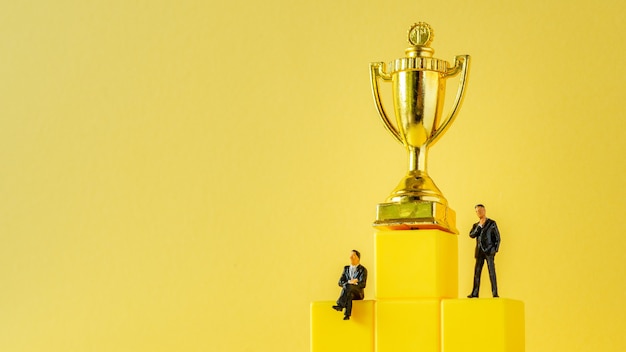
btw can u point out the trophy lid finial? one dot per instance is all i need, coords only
(421, 34)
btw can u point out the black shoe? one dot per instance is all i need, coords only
(472, 296)
(495, 296)
(347, 317)
(338, 308)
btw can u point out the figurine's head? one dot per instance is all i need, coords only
(480, 210)
(355, 257)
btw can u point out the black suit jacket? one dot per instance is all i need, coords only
(487, 240)
(361, 275)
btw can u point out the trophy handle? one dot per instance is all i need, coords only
(376, 71)
(461, 64)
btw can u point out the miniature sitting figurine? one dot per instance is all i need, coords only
(487, 236)
(352, 282)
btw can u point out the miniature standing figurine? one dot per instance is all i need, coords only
(487, 236)
(352, 282)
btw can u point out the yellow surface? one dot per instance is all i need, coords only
(483, 325)
(175, 175)
(330, 333)
(411, 325)
(416, 264)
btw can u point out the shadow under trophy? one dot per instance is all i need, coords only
(418, 89)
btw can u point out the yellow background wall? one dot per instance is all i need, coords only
(190, 175)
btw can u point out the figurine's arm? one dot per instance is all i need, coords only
(496, 236)
(362, 279)
(343, 279)
(474, 232)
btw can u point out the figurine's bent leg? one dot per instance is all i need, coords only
(348, 311)
(352, 293)
(491, 265)
(343, 297)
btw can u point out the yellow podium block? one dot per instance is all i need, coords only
(330, 333)
(408, 325)
(482, 325)
(414, 264)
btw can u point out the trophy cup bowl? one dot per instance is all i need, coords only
(418, 92)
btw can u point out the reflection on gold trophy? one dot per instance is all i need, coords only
(418, 88)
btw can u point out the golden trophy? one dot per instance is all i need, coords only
(418, 89)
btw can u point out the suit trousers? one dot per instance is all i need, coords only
(349, 293)
(481, 257)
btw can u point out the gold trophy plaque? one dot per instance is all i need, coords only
(418, 91)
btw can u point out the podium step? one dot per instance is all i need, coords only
(408, 325)
(416, 264)
(330, 333)
(483, 325)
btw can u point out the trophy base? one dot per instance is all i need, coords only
(415, 215)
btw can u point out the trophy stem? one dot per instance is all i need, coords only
(417, 186)
(417, 159)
